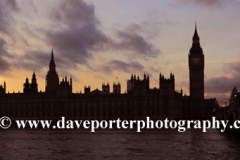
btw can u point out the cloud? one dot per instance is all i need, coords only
(136, 44)
(124, 66)
(37, 60)
(65, 73)
(201, 2)
(117, 65)
(4, 56)
(72, 29)
(148, 28)
(6, 19)
(204, 2)
(135, 39)
(221, 84)
(33, 60)
(232, 67)
(76, 36)
(219, 87)
(73, 13)
(79, 36)
(152, 69)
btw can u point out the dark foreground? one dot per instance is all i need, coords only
(117, 144)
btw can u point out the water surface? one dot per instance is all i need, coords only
(117, 144)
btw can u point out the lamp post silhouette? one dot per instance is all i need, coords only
(235, 102)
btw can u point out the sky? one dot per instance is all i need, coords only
(95, 41)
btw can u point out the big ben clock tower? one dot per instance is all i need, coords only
(196, 77)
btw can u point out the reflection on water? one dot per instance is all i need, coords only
(117, 144)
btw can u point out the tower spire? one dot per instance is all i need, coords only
(52, 65)
(52, 58)
(196, 48)
(33, 77)
(52, 79)
(195, 36)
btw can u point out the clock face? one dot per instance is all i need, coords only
(195, 60)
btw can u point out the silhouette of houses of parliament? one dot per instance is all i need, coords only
(139, 101)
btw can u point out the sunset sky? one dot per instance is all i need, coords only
(95, 41)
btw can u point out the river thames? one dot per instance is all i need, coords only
(117, 144)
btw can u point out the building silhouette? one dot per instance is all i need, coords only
(138, 102)
(196, 76)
